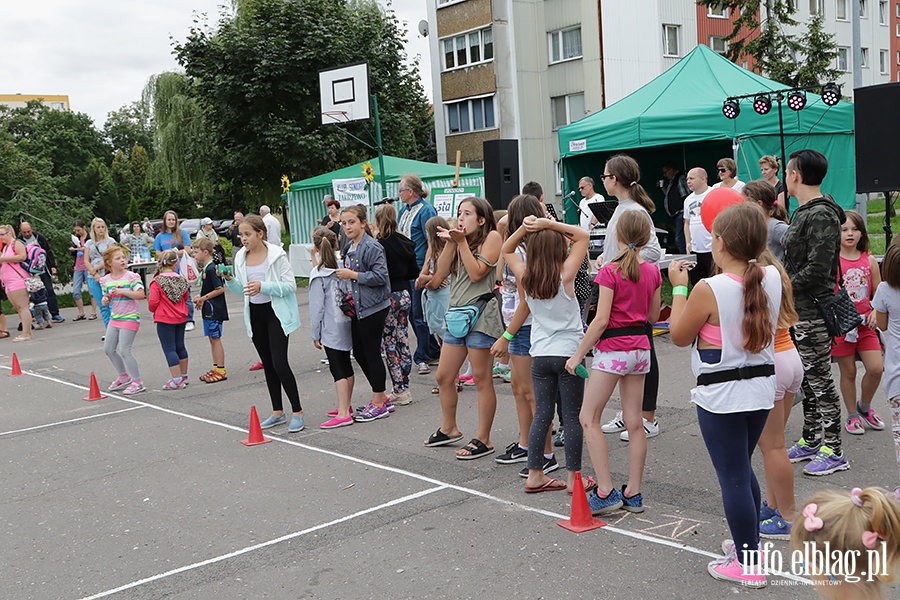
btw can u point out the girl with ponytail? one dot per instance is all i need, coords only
(732, 317)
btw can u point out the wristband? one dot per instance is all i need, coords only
(508, 335)
(680, 290)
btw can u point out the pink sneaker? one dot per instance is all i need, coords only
(466, 379)
(333, 412)
(335, 422)
(854, 426)
(729, 569)
(871, 419)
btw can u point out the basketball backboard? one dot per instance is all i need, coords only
(344, 93)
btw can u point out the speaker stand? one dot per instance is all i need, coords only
(888, 212)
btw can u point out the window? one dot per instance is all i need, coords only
(883, 60)
(863, 9)
(864, 55)
(841, 12)
(898, 57)
(566, 109)
(718, 44)
(670, 40)
(745, 65)
(470, 115)
(883, 12)
(817, 7)
(842, 58)
(565, 44)
(717, 11)
(468, 49)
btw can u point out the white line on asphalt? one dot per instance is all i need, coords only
(272, 542)
(441, 484)
(115, 412)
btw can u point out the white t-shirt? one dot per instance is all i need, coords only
(586, 216)
(273, 230)
(887, 300)
(738, 185)
(701, 239)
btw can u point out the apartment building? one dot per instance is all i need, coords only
(520, 69)
(54, 102)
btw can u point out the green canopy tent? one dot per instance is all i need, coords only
(305, 197)
(678, 117)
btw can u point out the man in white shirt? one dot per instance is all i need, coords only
(586, 218)
(697, 239)
(273, 227)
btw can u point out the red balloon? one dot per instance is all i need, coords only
(717, 200)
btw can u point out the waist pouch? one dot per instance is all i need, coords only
(623, 331)
(736, 374)
(461, 319)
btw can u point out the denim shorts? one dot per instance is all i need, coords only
(212, 328)
(475, 339)
(520, 345)
(79, 278)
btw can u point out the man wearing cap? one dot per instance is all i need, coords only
(207, 231)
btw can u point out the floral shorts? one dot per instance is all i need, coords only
(621, 362)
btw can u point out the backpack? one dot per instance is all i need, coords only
(35, 259)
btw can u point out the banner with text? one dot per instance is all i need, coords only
(350, 191)
(446, 200)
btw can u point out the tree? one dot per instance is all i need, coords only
(256, 77)
(760, 32)
(128, 127)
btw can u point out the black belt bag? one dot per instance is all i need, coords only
(736, 374)
(623, 331)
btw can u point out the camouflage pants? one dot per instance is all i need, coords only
(895, 425)
(821, 403)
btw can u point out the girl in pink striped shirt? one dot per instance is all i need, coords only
(121, 291)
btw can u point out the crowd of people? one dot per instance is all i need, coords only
(515, 285)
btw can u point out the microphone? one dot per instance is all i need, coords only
(569, 195)
(385, 201)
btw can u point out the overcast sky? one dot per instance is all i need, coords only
(101, 52)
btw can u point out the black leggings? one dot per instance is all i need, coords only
(552, 381)
(651, 379)
(339, 363)
(367, 334)
(272, 346)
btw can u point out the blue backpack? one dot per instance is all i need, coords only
(35, 259)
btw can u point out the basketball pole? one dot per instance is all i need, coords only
(379, 148)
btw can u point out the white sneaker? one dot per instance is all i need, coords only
(650, 429)
(424, 369)
(614, 426)
(189, 326)
(401, 399)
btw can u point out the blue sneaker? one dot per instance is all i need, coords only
(633, 504)
(766, 513)
(370, 412)
(272, 421)
(775, 528)
(601, 506)
(802, 451)
(60, 319)
(827, 462)
(296, 424)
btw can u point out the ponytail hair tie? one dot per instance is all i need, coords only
(752, 261)
(631, 246)
(854, 496)
(633, 183)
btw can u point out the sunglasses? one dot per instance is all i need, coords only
(721, 169)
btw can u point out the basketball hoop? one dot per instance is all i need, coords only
(330, 117)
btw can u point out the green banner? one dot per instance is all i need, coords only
(446, 200)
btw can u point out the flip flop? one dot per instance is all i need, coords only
(4, 334)
(589, 485)
(439, 438)
(476, 449)
(552, 485)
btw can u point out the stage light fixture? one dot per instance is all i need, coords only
(762, 104)
(831, 94)
(731, 109)
(796, 100)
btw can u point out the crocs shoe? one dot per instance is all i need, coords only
(272, 421)
(119, 384)
(335, 422)
(871, 419)
(802, 451)
(297, 424)
(827, 462)
(601, 506)
(854, 426)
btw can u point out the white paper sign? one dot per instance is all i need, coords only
(577, 145)
(350, 191)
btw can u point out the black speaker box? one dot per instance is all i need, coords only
(501, 172)
(877, 118)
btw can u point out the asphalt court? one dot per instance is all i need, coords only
(155, 497)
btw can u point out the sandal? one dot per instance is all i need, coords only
(215, 377)
(92, 318)
(439, 438)
(4, 334)
(435, 390)
(205, 377)
(79, 318)
(475, 449)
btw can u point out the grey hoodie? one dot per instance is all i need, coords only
(327, 323)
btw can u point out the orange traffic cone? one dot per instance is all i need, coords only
(16, 369)
(580, 519)
(94, 393)
(256, 434)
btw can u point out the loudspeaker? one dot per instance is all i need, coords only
(877, 130)
(501, 172)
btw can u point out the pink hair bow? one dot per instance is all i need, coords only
(870, 539)
(812, 522)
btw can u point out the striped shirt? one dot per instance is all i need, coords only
(125, 313)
